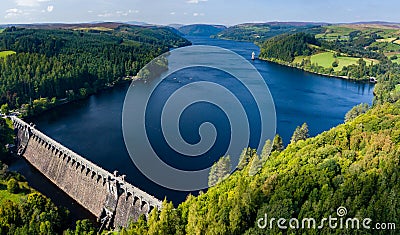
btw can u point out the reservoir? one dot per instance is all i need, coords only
(93, 128)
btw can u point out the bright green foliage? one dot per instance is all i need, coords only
(219, 171)
(4, 109)
(36, 215)
(83, 227)
(301, 133)
(356, 111)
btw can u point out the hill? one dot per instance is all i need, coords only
(75, 60)
(259, 32)
(201, 29)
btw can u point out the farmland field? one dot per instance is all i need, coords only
(326, 59)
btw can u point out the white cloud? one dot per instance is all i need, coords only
(198, 14)
(195, 1)
(14, 12)
(117, 13)
(106, 14)
(30, 3)
(172, 13)
(50, 8)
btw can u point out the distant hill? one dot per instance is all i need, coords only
(258, 32)
(201, 29)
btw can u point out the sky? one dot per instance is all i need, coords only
(226, 12)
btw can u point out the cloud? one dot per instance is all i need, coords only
(172, 13)
(50, 8)
(195, 1)
(198, 14)
(30, 3)
(106, 14)
(14, 12)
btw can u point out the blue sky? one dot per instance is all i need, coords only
(228, 12)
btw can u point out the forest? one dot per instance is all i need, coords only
(72, 64)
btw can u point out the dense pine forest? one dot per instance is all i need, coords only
(72, 64)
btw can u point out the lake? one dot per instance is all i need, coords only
(92, 127)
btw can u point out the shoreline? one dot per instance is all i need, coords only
(65, 101)
(315, 73)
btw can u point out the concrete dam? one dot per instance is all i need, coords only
(107, 195)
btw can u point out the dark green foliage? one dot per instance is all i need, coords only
(6, 137)
(12, 186)
(219, 171)
(245, 157)
(74, 64)
(277, 144)
(301, 133)
(335, 64)
(356, 111)
(201, 29)
(260, 32)
(287, 47)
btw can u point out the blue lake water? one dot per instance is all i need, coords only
(92, 127)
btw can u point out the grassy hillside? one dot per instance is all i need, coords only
(326, 59)
(342, 58)
(201, 29)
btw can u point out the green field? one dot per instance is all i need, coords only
(342, 32)
(386, 40)
(1, 30)
(325, 59)
(6, 53)
(87, 29)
